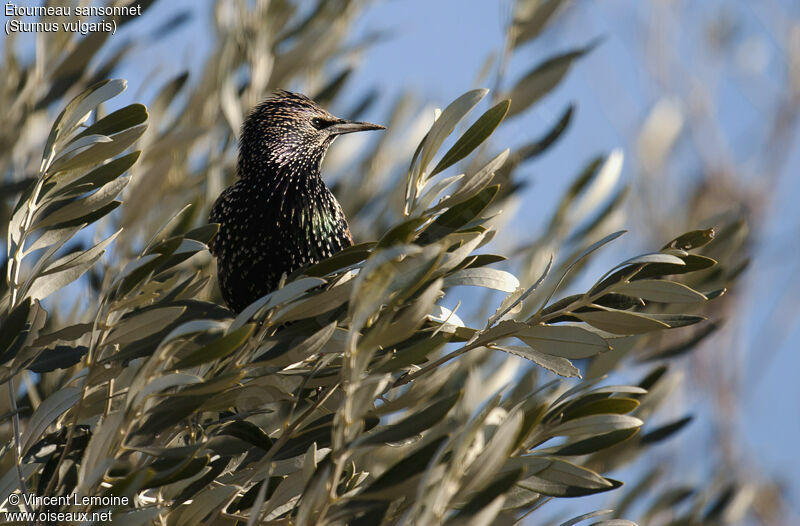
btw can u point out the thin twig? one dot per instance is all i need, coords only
(18, 445)
(15, 266)
(292, 427)
(410, 377)
(90, 361)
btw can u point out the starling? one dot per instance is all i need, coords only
(279, 216)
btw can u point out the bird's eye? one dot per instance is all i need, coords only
(320, 123)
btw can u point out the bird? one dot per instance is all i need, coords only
(279, 215)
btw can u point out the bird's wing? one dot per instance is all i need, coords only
(218, 213)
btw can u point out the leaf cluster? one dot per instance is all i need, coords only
(352, 394)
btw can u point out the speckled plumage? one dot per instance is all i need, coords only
(279, 216)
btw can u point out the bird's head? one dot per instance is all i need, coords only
(290, 130)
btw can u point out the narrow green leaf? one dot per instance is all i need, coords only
(598, 188)
(659, 290)
(205, 502)
(656, 257)
(74, 114)
(446, 123)
(168, 471)
(281, 356)
(488, 278)
(285, 294)
(77, 110)
(115, 122)
(99, 152)
(483, 506)
(89, 218)
(48, 411)
(591, 248)
(677, 320)
(563, 479)
(341, 260)
(60, 274)
(511, 302)
(665, 431)
(474, 136)
(476, 182)
(59, 128)
(595, 425)
(81, 207)
(410, 319)
(414, 353)
(194, 327)
(58, 357)
(138, 325)
(167, 94)
(542, 79)
(82, 142)
(460, 214)
(406, 468)
(596, 443)
(678, 348)
(602, 406)
(57, 238)
(433, 192)
(692, 240)
(413, 424)
(621, 322)
(70, 334)
(218, 348)
(249, 432)
(556, 364)
(402, 234)
(101, 175)
(13, 324)
(203, 234)
(160, 384)
(691, 263)
(563, 340)
(541, 145)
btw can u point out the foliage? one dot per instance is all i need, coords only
(351, 394)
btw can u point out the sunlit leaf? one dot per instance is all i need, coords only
(476, 182)
(446, 123)
(562, 340)
(595, 425)
(556, 364)
(82, 207)
(660, 290)
(61, 273)
(474, 136)
(483, 277)
(621, 322)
